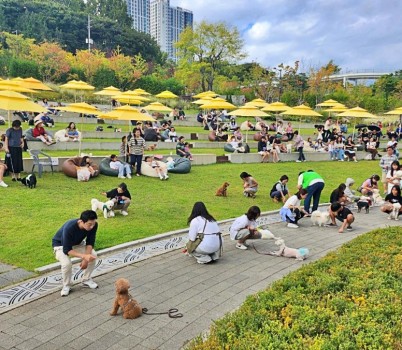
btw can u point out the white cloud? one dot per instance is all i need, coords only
(259, 31)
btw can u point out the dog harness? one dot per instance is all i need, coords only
(130, 300)
(105, 207)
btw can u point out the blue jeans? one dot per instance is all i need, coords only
(313, 191)
(277, 194)
(124, 167)
(341, 154)
(301, 154)
(136, 159)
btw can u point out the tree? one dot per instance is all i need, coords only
(319, 83)
(206, 48)
(89, 62)
(115, 10)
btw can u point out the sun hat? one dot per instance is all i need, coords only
(38, 121)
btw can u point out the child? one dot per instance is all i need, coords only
(338, 211)
(280, 191)
(121, 167)
(172, 134)
(154, 164)
(250, 186)
(292, 212)
(331, 150)
(187, 150)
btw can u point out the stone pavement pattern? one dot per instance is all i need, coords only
(203, 293)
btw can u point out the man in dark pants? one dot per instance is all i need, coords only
(314, 184)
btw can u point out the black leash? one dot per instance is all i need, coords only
(261, 252)
(171, 313)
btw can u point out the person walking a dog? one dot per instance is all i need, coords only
(291, 212)
(314, 184)
(13, 145)
(245, 227)
(121, 196)
(343, 214)
(76, 238)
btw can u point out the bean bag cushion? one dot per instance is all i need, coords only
(181, 166)
(228, 148)
(105, 169)
(147, 170)
(60, 136)
(29, 137)
(69, 166)
(212, 135)
(257, 136)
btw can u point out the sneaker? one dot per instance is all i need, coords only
(137, 174)
(128, 176)
(124, 213)
(90, 284)
(298, 161)
(121, 177)
(340, 160)
(330, 225)
(166, 177)
(65, 291)
(355, 160)
(241, 246)
(349, 228)
(290, 225)
(3, 184)
(161, 178)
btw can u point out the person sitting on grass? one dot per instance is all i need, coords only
(154, 164)
(250, 186)
(121, 197)
(279, 191)
(123, 168)
(292, 212)
(343, 214)
(181, 148)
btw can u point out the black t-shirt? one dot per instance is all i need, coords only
(393, 199)
(343, 214)
(115, 194)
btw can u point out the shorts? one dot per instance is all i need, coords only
(242, 233)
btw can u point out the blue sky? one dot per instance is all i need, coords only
(355, 34)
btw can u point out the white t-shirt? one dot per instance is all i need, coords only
(115, 165)
(292, 201)
(394, 182)
(241, 223)
(210, 243)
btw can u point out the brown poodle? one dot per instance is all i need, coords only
(131, 308)
(151, 147)
(222, 191)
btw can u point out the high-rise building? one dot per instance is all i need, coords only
(163, 22)
(138, 10)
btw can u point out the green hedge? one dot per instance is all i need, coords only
(350, 299)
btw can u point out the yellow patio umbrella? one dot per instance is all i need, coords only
(203, 101)
(275, 107)
(214, 104)
(337, 108)
(248, 111)
(204, 94)
(302, 111)
(81, 108)
(108, 91)
(157, 107)
(141, 92)
(77, 86)
(357, 112)
(257, 102)
(127, 112)
(166, 94)
(35, 84)
(396, 111)
(11, 85)
(130, 97)
(13, 101)
(327, 103)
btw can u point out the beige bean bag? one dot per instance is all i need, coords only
(60, 136)
(147, 170)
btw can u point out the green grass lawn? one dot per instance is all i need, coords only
(30, 218)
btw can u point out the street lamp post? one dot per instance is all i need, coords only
(280, 81)
(88, 40)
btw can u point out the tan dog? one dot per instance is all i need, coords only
(130, 307)
(222, 191)
(151, 147)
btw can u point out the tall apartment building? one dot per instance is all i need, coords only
(163, 22)
(138, 10)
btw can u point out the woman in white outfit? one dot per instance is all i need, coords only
(201, 221)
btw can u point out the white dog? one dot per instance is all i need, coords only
(266, 234)
(320, 218)
(377, 199)
(299, 254)
(289, 147)
(105, 207)
(394, 214)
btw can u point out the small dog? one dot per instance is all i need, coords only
(222, 191)
(320, 218)
(364, 202)
(289, 148)
(130, 307)
(394, 214)
(105, 207)
(377, 199)
(151, 147)
(29, 181)
(299, 254)
(266, 234)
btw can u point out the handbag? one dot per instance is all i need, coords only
(192, 245)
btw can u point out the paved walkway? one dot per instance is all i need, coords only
(203, 293)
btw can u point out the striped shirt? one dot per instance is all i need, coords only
(138, 148)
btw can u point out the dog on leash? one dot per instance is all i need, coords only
(394, 214)
(299, 254)
(130, 307)
(106, 207)
(377, 199)
(222, 191)
(320, 218)
(364, 202)
(29, 181)
(266, 234)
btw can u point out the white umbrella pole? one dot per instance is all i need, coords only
(9, 118)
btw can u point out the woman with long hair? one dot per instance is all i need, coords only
(13, 146)
(136, 150)
(202, 223)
